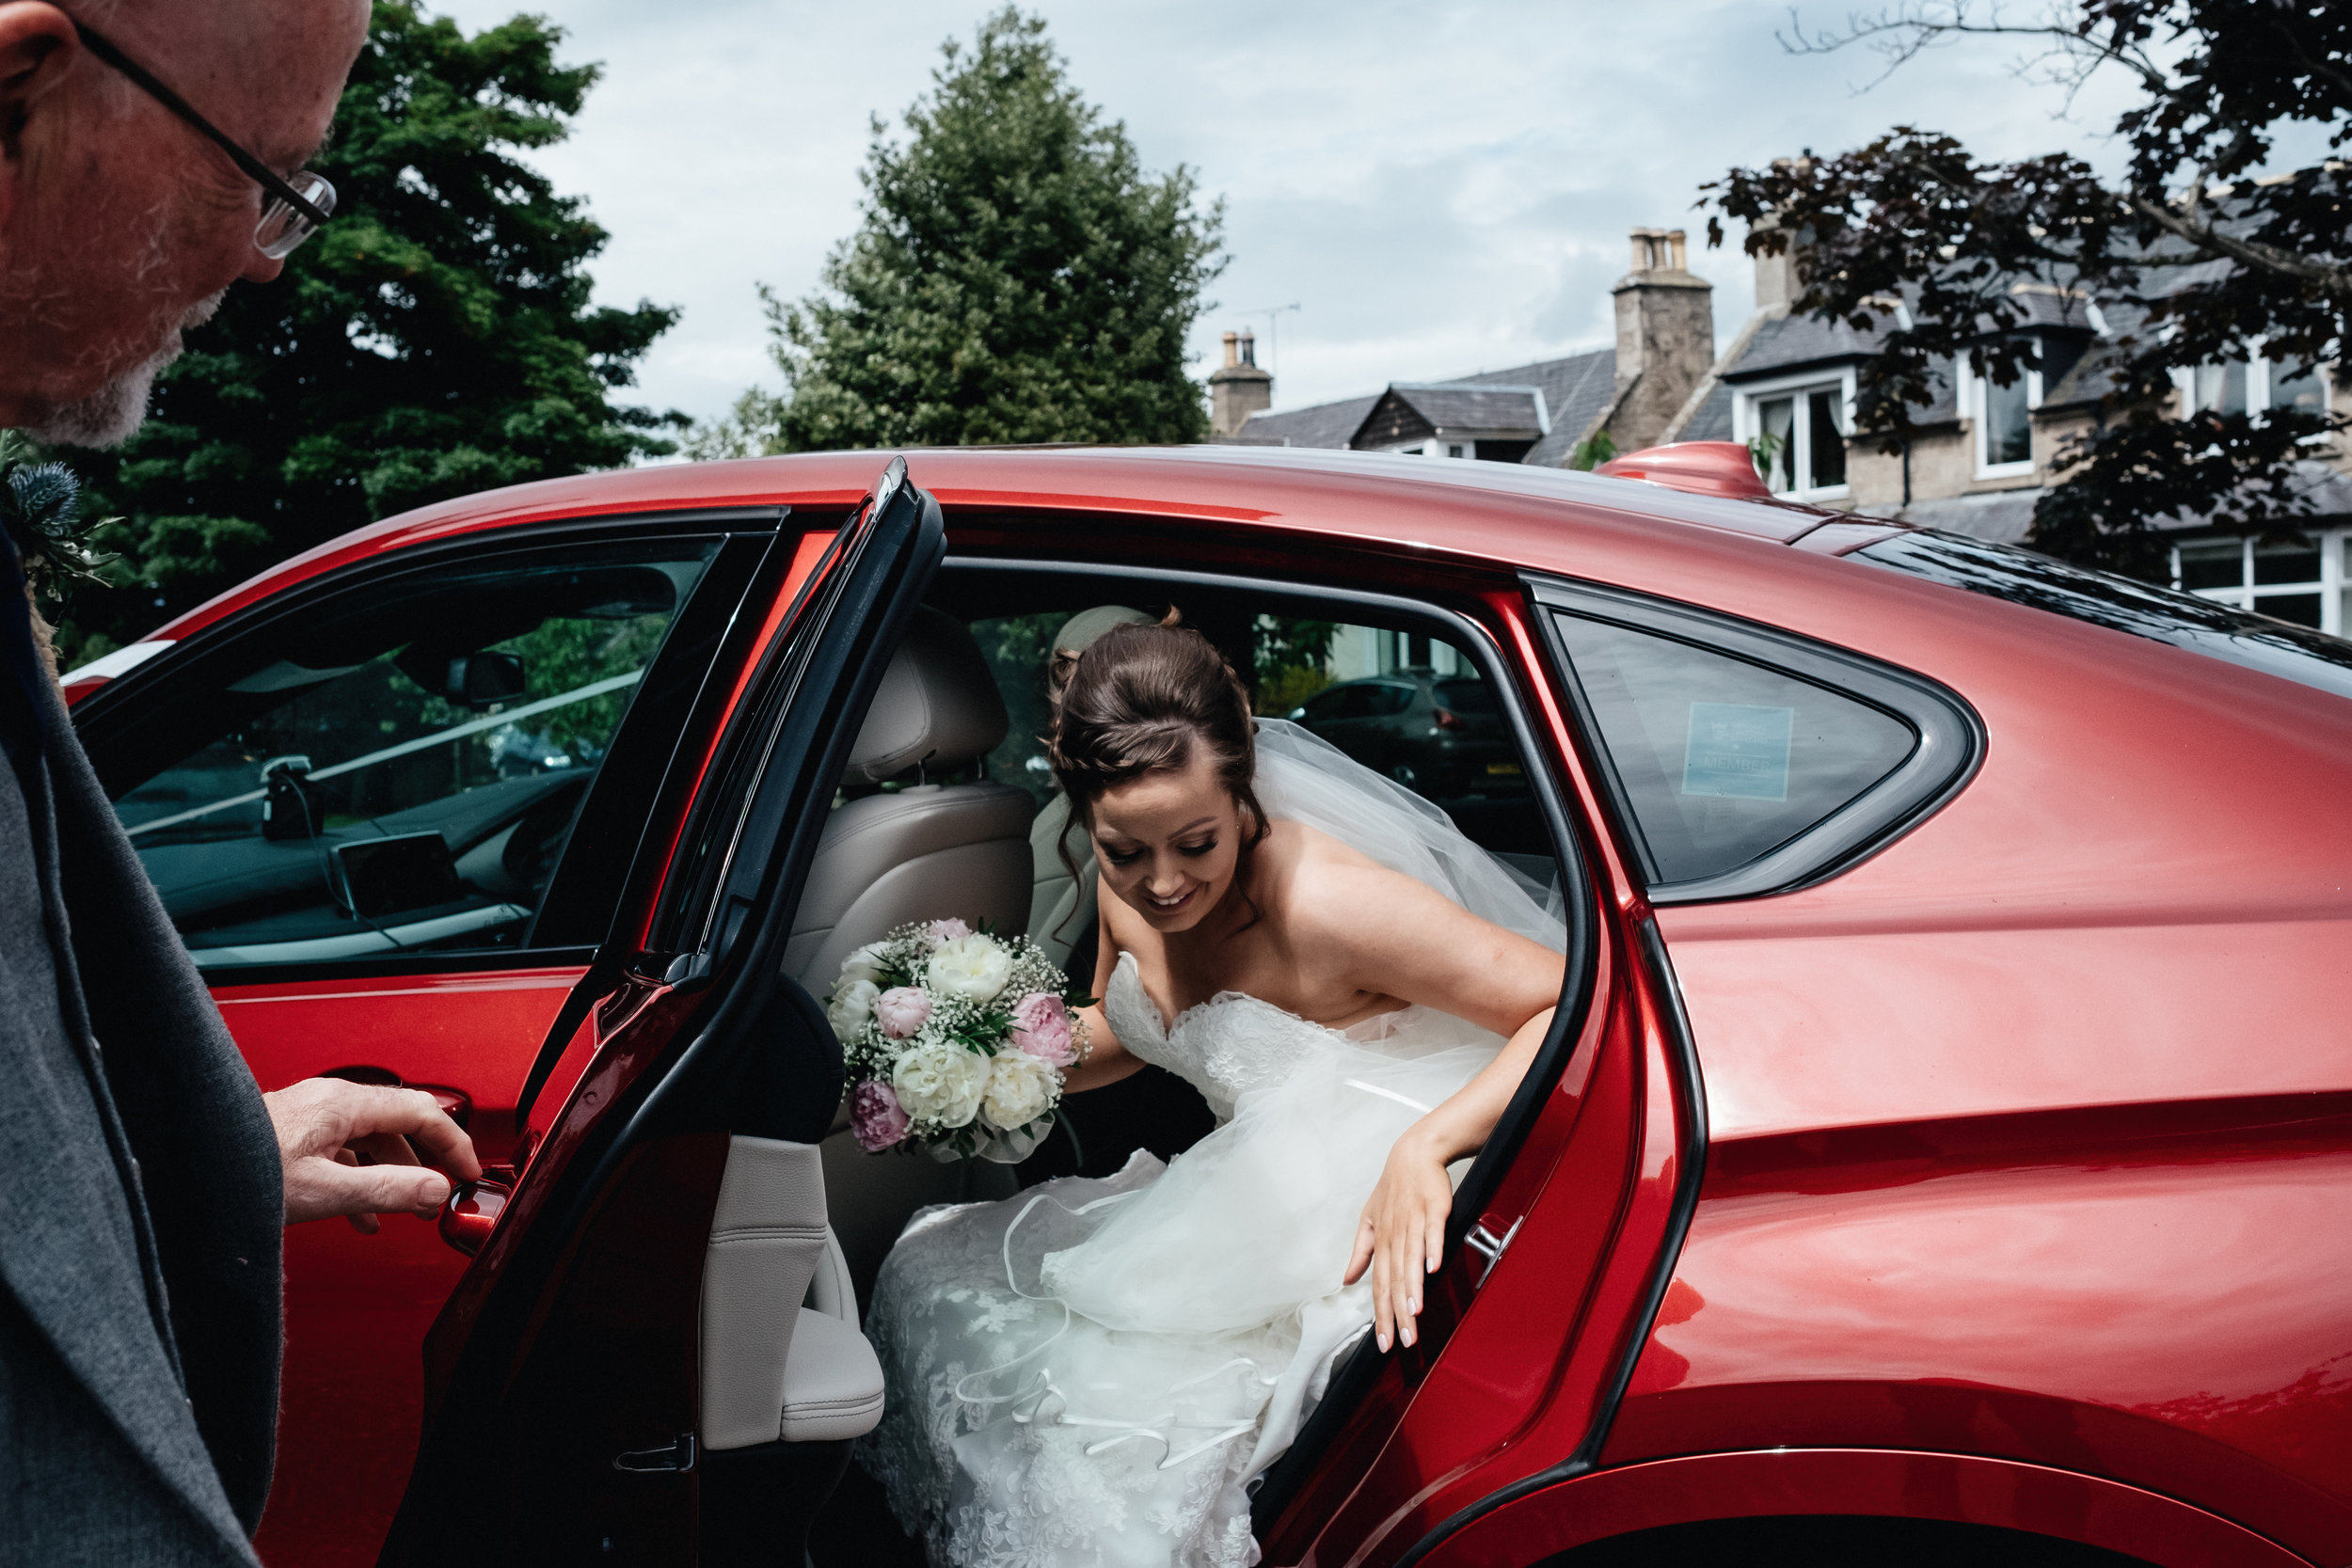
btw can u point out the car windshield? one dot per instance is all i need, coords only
(2233, 636)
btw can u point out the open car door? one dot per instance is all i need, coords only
(565, 1418)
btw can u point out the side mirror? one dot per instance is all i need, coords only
(478, 680)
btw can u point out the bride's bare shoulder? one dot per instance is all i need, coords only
(1322, 886)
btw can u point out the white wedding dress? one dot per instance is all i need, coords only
(1090, 1374)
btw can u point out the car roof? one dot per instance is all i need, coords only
(1495, 512)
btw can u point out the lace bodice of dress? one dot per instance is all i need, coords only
(1224, 1047)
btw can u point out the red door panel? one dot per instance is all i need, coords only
(357, 1306)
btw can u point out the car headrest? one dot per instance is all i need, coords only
(937, 705)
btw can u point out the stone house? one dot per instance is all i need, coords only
(1984, 452)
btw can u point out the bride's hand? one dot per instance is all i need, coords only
(1402, 1235)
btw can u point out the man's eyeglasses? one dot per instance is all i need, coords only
(297, 206)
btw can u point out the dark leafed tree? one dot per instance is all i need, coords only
(436, 337)
(1018, 277)
(2200, 249)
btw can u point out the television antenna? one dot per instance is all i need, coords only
(1272, 314)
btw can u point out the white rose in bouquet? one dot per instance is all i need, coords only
(974, 968)
(866, 963)
(939, 1081)
(852, 1006)
(1020, 1090)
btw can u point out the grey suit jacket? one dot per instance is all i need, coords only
(141, 1240)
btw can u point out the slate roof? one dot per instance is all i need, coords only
(2001, 516)
(1325, 425)
(1786, 343)
(1712, 422)
(1576, 390)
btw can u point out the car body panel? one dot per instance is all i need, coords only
(2039, 1499)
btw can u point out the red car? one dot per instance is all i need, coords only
(1944, 1148)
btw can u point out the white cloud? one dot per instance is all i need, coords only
(1441, 188)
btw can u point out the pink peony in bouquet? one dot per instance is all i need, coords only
(955, 1042)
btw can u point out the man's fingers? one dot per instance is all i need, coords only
(372, 1109)
(386, 1148)
(317, 1188)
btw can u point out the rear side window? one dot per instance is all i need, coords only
(1721, 760)
(2219, 631)
(1745, 759)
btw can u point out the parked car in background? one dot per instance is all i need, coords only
(1941, 1151)
(1440, 735)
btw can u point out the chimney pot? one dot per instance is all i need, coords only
(1248, 346)
(1231, 354)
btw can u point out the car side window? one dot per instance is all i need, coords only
(1719, 759)
(398, 769)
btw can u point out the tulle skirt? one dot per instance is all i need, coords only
(1093, 1372)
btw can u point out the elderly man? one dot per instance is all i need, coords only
(150, 155)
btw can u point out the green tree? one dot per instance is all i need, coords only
(436, 339)
(1018, 277)
(2197, 250)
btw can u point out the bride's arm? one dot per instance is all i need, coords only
(1107, 1061)
(1429, 950)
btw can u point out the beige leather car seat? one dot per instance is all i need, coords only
(1062, 907)
(929, 850)
(782, 1357)
(925, 852)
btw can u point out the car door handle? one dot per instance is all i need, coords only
(472, 1212)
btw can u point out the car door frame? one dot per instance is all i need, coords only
(1361, 1452)
(348, 1293)
(703, 1040)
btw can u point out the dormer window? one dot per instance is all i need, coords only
(2003, 417)
(1797, 429)
(2255, 385)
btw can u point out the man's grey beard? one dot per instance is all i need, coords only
(111, 415)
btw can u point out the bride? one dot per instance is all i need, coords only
(1092, 1372)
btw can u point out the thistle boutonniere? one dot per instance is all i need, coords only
(40, 506)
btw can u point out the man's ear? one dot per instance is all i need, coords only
(39, 49)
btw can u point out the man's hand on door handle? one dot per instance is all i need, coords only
(364, 1149)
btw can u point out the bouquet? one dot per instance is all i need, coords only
(955, 1042)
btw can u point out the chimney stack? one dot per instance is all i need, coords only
(1238, 387)
(1777, 284)
(1665, 338)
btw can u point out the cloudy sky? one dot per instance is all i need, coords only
(1440, 187)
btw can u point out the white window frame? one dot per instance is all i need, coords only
(1746, 425)
(2334, 578)
(1973, 390)
(2257, 386)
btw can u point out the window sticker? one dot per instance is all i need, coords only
(1738, 749)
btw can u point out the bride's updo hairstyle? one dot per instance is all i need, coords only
(1140, 700)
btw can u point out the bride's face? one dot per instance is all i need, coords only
(1169, 843)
